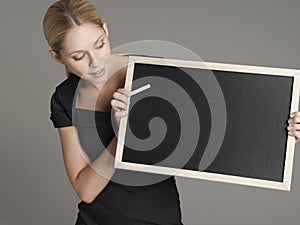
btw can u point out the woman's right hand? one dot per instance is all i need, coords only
(120, 104)
(294, 125)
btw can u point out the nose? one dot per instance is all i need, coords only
(94, 62)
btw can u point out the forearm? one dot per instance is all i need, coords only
(92, 179)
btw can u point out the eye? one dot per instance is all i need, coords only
(100, 46)
(79, 58)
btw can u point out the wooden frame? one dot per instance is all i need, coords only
(288, 165)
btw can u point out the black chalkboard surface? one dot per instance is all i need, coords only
(213, 121)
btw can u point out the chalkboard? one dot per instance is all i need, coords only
(212, 121)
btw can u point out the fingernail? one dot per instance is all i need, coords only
(292, 115)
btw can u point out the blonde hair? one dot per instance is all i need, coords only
(62, 15)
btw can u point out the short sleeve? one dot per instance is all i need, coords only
(59, 115)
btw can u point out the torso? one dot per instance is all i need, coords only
(157, 203)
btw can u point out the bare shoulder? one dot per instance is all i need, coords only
(118, 68)
(120, 63)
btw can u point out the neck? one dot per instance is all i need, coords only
(117, 65)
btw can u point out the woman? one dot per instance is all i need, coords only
(79, 40)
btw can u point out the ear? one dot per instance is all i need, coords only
(56, 57)
(105, 28)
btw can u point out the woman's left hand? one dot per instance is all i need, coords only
(294, 125)
(120, 103)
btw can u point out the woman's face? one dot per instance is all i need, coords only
(85, 51)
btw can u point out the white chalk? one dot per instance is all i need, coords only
(140, 89)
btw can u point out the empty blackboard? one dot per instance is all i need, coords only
(212, 121)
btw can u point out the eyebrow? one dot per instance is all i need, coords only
(83, 50)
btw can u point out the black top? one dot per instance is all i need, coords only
(124, 200)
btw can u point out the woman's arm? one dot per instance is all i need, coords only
(87, 179)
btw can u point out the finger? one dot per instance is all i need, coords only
(295, 120)
(124, 92)
(117, 105)
(121, 97)
(120, 114)
(293, 127)
(295, 134)
(112, 103)
(296, 113)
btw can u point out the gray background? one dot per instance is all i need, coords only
(34, 188)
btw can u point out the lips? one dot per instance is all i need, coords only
(97, 73)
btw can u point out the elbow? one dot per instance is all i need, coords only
(87, 200)
(84, 194)
(87, 191)
(86, 197)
